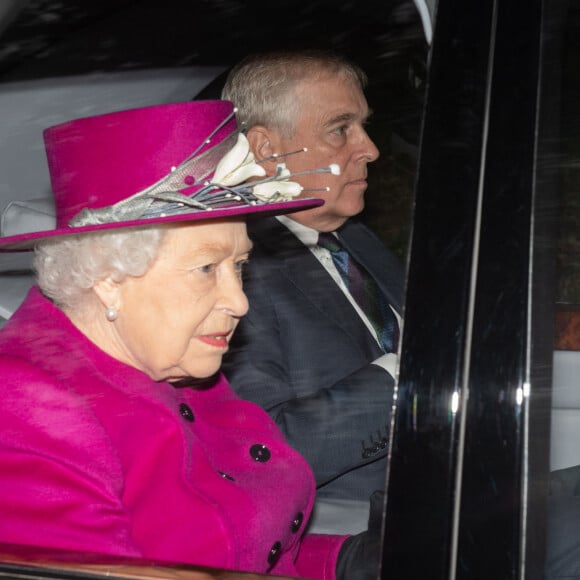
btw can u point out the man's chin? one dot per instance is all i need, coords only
(354, 211)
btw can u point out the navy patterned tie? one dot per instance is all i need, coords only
(365, 292)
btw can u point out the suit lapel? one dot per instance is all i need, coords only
(378, 261)
(308, 276)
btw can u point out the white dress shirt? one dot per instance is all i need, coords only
(309, 237)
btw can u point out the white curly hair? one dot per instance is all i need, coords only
(68, 267)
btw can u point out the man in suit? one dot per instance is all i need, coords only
(307, 351)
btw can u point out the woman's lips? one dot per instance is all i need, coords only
(219, 340)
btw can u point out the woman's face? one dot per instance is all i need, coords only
(177, 319)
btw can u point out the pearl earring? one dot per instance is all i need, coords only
(111, 313)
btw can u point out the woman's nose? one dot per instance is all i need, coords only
(234, 299)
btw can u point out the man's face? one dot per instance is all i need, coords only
(330, 124)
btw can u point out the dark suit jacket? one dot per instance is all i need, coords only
(303, 353)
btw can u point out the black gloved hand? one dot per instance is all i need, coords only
(359, 556)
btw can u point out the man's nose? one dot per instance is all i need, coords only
(368, 150)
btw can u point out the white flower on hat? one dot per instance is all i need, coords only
(280, 188)
(277, 190)
(237, 165)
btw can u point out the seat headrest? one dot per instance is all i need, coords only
(31, 215)
(16, 275)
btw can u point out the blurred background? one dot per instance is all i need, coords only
(42, 41)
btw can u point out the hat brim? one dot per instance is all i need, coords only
(27, 241)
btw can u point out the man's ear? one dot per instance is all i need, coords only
(263, 144)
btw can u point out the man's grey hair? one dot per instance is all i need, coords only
(263, 86)
(67, 268)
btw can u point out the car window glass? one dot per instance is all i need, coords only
(73, 59)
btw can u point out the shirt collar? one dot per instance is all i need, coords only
(308, 236)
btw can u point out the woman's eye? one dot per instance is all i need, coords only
(207, 269)
(240, 265)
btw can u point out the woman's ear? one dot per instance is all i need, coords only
(107, 291)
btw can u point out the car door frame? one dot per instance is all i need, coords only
(469, 471)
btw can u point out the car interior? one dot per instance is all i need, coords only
(505, 278)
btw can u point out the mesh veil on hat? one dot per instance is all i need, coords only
(151, 165)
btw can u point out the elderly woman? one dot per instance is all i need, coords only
(119, 435)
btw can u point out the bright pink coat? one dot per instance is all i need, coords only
(95, 456)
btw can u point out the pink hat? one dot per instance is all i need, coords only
(166, 163)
